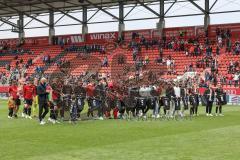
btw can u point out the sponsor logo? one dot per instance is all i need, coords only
(100, 36)
(77, 39)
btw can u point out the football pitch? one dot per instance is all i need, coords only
(202, 138)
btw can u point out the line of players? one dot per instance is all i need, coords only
(27, 91)
(170, 98)
(174, 99)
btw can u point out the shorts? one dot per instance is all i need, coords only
(141, 103)
(28, 102)
(177, 104)
(166, 102)
(57, 102)
(17, 102)
(80, 101)
(151, 103)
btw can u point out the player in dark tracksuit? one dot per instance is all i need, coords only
(219, 100)
(196, 95)
(67, 93)
(80, 94)
(209, 97)
(101, 96)
(168, 101)
(184, 97)
(193, 102)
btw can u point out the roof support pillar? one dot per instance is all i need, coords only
(206, 15)
(84, 23)
(121, 25)
(161, 23)
(51, 26)
(21, 34)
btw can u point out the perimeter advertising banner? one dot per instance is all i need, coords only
(234, 28)
(28, 41)
(147, 33)
(101, 37)
(90, 38)
(175, 32)
(233, 94)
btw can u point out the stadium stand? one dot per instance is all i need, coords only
(89, 56)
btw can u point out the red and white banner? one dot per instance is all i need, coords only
(232, 91)
(71, 39)
(234, 28)
(200, 31)
(28, 41)
(9, 41)
(4, 89)
(147, 33)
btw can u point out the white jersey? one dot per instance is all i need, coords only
(177, 91)
(145, 91)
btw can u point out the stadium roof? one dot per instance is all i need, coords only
(13, 7)
(19, 14)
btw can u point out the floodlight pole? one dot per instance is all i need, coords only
(84, 23)
(207, 16)
(51, 26)
(21, 34)
(121, 25)
(161, 23)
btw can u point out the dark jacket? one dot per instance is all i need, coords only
(170, 92)
(67, 89)
(42, 94)
(182, 92)
(207, 95)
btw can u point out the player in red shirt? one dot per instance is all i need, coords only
(14, 92)
(29, 92)
(90, 93)
(56, 97)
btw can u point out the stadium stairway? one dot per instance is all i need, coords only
(53, 51)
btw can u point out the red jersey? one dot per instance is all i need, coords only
(13, 91)
(230, 77)
(29, 91)
(90, 90)
(110, 85)
(55, 95)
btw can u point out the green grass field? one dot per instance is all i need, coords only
(203, 138)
